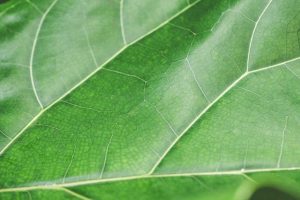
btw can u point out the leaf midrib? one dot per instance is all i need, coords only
(129, 178)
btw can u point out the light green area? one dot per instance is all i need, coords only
(111, 90)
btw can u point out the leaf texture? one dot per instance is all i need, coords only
(173, 98)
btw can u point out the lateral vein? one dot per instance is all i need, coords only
(75, 194)
(254, 30)
(34, 48)
(122, 21)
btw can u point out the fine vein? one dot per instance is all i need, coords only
(5, 135)
(196, 80)
(90, 46)
(105, 156)
(282, 142)
(34, 6)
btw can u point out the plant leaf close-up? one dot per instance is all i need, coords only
(149, 99)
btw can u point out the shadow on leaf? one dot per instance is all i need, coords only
(271, 193)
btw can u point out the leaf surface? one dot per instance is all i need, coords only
(172, 97)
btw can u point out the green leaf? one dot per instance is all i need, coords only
(119, 99)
